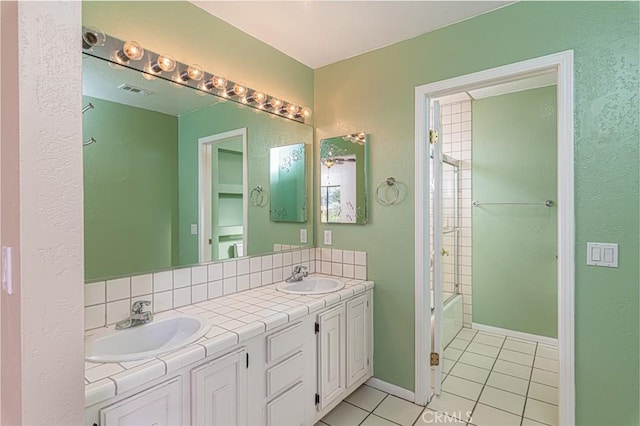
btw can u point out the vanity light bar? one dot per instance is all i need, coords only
(131, 54)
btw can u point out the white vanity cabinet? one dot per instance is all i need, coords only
(331, 356)
(219, 391)
(345, 350)
(291, 375)
(159, 406)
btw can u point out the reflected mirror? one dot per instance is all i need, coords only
(343, 179)
(288, 183)
(168, 174)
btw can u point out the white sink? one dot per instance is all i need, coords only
(312, 285)
(146, 341)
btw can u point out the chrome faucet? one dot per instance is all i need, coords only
(138, 316)
(298, 273)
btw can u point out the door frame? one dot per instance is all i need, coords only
(562, 64)
(204, 188)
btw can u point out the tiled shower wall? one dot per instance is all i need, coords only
(456, 142)
(107, 302)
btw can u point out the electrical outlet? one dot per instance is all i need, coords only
(303, 236)
(194, 229)
(328, 237)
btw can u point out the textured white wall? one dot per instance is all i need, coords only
(51, 212)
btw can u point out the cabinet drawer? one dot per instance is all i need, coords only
(288, 409)
(284, 374)
(284, 342)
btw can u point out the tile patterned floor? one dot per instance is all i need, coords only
(498, 380)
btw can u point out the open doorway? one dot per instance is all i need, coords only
(440, 225)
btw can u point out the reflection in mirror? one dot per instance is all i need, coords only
(288, 183)
(222, 195)
(142, 189)
(343, 179)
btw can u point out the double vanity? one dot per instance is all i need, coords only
(281, 354)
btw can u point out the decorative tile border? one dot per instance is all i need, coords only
(107, 302)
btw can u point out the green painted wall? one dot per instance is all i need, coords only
(130, 190)
(514, 247)
(192, 35)
(374, 92)
(263, 132)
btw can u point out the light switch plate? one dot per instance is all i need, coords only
(194, 229)
(328, 237)
(303, 236)
(7, 273)
(602, 254)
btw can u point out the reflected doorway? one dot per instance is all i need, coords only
(222, 197)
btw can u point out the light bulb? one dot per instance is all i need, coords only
(257, 97)
(306, 112)
(292, 109)
(131, 50)
(273, 103)
(194, 72)
(238, 89)
(163, 63)
(93, 36)
(219, 82)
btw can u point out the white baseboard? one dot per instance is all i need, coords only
(516, 334)
(391, 389)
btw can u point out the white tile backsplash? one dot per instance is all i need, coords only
(109, 302)
(181, 297)
(141, 284)
(118, 289)
(162, 281)
(94, 293)
(198, 275)
(118, 310)
(181, 277)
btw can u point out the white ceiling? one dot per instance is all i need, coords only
(318, 33)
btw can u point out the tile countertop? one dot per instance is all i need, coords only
(235, 318)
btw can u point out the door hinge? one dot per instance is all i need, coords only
(317, 328)
(210, 241)
(367, 361)
(367, 303)
(317, 398)
(433, 136)
(247, 360)
(435, 358)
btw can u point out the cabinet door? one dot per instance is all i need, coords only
(331, 355)
(287, 409)
(159, 406)
(219, 391)
(358, 319)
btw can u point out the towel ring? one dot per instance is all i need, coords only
(257, 196)
(384, 197)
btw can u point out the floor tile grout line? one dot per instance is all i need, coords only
(486, 381)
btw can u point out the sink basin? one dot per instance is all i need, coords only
(312, 285)
(146, 341)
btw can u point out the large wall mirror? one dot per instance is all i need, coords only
(168, 174)
(343, 179)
